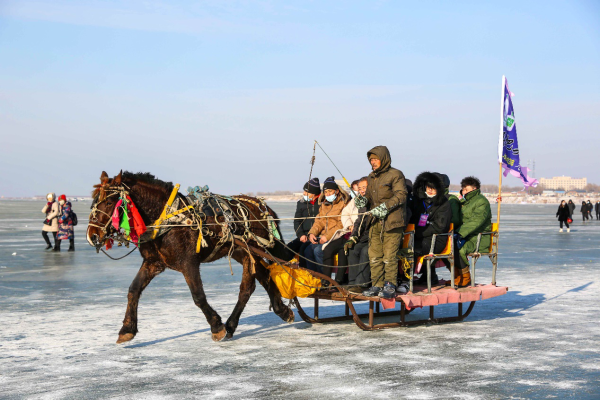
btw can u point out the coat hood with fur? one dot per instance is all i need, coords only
(433, 180)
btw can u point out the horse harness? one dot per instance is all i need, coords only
(192, 211)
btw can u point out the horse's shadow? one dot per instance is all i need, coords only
(510, 305)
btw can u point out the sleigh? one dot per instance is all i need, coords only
(418, 296)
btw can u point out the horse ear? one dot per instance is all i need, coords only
(118, 179)
(104, 176)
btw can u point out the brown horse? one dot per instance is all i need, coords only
(177, 248)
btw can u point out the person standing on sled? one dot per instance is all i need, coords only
(476, 218)
(431, 214)
(386, 199)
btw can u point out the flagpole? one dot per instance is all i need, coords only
(500, 146)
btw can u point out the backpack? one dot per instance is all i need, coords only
(74, 218)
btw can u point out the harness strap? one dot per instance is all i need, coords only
(163, 215)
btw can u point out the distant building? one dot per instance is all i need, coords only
(563, 182)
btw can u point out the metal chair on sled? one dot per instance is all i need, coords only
(491, 252)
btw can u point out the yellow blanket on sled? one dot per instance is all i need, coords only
(293, 282)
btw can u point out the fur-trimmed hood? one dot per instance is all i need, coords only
(433, 180)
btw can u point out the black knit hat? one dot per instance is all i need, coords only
(313, 186)
(330, 184)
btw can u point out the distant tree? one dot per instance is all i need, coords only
(592, 187)
(536, 190)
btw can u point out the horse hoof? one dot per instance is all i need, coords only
(126, 337)
(217, 337)
(291, 317)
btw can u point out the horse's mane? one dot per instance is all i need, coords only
(147, 178)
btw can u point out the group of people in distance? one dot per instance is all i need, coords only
(566, 210)
(366, 228)
(59, 221)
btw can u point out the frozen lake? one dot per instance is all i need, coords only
(60, 314)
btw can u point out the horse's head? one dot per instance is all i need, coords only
(106, 195)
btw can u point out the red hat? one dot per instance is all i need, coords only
(62, 197)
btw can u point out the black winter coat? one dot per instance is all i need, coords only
(584, 208)
(362, 225)
(563, 213)
(438, 208)
(305, 209)
(571, 206)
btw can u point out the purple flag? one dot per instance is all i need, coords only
(508, 146)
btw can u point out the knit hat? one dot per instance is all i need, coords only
(330, 184)
(373, 156)
(313, 186)
(62, 197)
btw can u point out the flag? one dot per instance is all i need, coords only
(508, 145)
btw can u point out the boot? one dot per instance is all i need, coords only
(568, 229)
(560, 230)
(57, 245)
(463, 280)
(47, 240)
(71, 245)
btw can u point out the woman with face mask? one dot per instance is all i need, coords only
(65, 221)
(431, 215)
(52, 210)
(328, 222)
(563, 215)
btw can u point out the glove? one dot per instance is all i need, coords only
(350, 244)
(460, 241)
(380, 211)
(360, 201)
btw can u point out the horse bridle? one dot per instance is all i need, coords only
(120, 191)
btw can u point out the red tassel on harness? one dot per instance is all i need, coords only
(138, 223)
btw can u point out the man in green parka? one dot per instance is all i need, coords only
(475, 218)
(386, 200)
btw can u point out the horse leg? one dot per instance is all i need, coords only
(246, 289)
(284, 312)
(147, 272)
(192, 277)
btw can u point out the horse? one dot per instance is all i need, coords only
(176, 249)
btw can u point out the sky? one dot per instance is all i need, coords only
(233, 94)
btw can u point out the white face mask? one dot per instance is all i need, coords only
(431, 196)
(62, 202)
(306, 198)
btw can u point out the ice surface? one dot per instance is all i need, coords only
(60, 315)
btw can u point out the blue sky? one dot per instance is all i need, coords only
(233, 94)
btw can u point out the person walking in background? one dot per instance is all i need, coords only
(598, 210)
(571, 206)
(65, 221)
(584, 211)
(590, 208)
(51, 209)
(563, 215)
